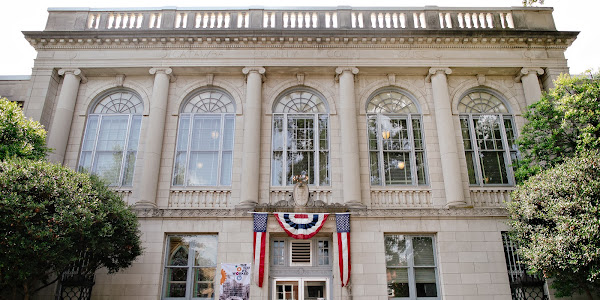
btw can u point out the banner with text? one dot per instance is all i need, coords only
(235, 281)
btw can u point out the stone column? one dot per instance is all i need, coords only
(60, 129)
(351, 190)
(451, 171)
(154, 137)
(251, 146)
(531, 84)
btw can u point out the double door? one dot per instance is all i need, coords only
(306, 288)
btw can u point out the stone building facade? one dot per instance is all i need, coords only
(404, 117)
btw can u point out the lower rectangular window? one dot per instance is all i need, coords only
(190, 267)
(411, 267)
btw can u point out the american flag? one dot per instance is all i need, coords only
(260, 231)
(342, 222)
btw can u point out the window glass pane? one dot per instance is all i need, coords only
(396, 251)
(108, 166)
(323, 253)
(278, 137)
(420, 158)
(183, 133)
(203, 168)
(425, 281)
(85, 162)
(226, 167)
(203, 282)
(113, 130)
(397, 282)
(129, 167)
(90, 134)
(397, 168)
(398, 134)
(510, 134)
(179, 169)
(471, 167)
(176, 282)
(314, 290)
(299, 162)
(178, 252)
(372, 131)
(324, 168)
(300, 133)
(417, 136)
(423, 251)
(205, 249)
(493, 167)
(487, 129)
(466, 135)
(134, 133)
(277, 168)
(323, 136)
(278, 253)
(374, 165)
(206, 133)
(228, 133)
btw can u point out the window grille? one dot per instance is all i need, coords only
(523, 286)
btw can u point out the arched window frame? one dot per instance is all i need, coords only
(206, 127)
(387, 109)
(501, 148)
(300, 106)
(113, 121)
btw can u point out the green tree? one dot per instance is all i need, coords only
(555, 217)
(563, 123)
(20, 136)
(50, 216)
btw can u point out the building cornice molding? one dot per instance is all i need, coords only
(368, 213)
(315, 39)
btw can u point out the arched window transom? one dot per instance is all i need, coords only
(488, 134)
(204, 150)
(396, 146)
(300, 141)
(110, 141)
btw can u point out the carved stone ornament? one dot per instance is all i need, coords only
(301, 194)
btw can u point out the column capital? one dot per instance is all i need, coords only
(163, 70)
(436, 70)
(526, 71)
(75, 72)
(256, 69)
(340, 70)
(259, 70)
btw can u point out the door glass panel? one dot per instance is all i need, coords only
(286, 290)
(315, 290)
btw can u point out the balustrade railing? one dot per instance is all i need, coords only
(430, 17)
(486, 197)
(401, 198)
(125, 195)
(316, 197)
(199, 198)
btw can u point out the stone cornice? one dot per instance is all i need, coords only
(173, 39)
(369, 213)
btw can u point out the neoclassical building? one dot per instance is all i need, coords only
(404, 117)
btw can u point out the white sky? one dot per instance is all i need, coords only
(16, 55)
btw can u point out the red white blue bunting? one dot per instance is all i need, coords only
(301, 226)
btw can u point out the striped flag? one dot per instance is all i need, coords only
(301, 226)
(260, 232)
(342, 223)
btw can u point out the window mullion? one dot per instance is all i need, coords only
(507, 158)
(189, 286)
(412, 154)
(188, 152)
(125, 149)
(284, 150)
(475, 146)
(378, 133)
(94, 149)
(220, 150)
(316, 150)
(412, 285)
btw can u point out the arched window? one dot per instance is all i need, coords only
(204, 150)
(111, 137)
(396, 148)
(488, 137)
(300, 149)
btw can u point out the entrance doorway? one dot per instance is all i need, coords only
(301, 288)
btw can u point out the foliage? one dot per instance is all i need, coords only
(563, 123)
(555, 217)
(532, 2)
(19, 136)
(49, 216)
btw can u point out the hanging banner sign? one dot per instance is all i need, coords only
(235, 282)
(302, 225)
